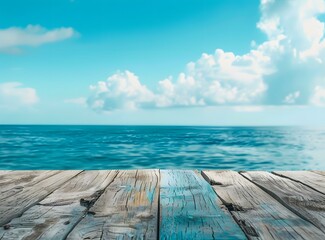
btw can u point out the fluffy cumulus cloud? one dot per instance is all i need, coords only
(14, 94)
(221, 78)
(121, 90)
(299, 61)
(288, 68)
(33, 35)
(318, 98)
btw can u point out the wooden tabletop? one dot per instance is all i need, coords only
(162, 204)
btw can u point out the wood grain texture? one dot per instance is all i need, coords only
(27, 193)
(309, 178)
(18, 179)
(189, 209)
(302, 200)
(128, 209)
(319, 172)
(259, 214)
(55, 216)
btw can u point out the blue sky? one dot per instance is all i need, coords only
(155, 62)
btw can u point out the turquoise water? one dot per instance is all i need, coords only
(128, 147)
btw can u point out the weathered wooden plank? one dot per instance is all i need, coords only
(259, 214)
(16, 200)
(319, 172)
(302, 200)
(4, 172)
(309, 178)
(55, 216)
(189, 209)
(128, 209)
(17, 179)
(9, 176)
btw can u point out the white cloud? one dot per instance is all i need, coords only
(292, 97)
(221, 78)
(33, 35)
(285, 69)
(299, 67)
(13, 95)
(318, 98)
(122, 90)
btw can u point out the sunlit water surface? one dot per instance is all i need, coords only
(130, 147)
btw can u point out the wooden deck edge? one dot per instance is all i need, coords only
(200, 174)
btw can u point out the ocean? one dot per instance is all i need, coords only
(24, 147)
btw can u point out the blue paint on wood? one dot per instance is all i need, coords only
(189, 210)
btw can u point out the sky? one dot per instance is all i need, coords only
(185, 62)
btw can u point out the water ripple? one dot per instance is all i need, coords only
(127, 147)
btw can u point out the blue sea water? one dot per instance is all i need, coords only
(130, 147)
